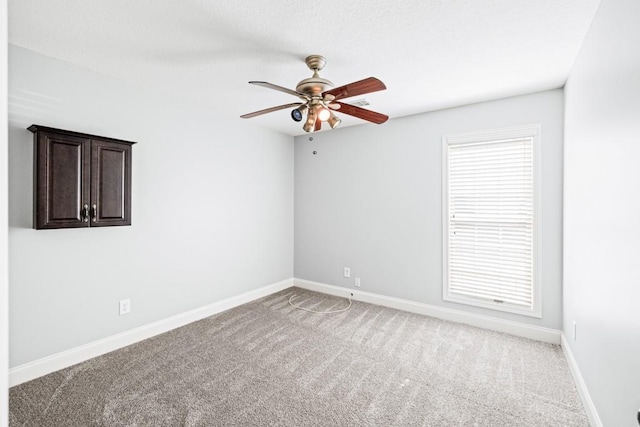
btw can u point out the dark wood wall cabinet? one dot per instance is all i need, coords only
(80, 180)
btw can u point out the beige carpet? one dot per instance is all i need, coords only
(266, 363)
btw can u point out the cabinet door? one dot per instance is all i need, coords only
(62, 181)
(110, 183)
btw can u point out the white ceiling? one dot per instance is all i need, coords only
(431, 54)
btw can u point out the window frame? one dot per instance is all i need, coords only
(533, 131)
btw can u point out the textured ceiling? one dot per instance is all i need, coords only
(431, 54)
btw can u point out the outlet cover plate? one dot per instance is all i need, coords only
(125, 306)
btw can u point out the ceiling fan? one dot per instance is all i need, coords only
(320, 99)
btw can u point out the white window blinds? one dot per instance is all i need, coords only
(490, 208)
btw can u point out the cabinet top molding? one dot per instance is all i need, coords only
(39, 128)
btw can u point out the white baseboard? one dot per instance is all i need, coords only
(67, 358)
(514, 328)
(55, 362)
(589, 407)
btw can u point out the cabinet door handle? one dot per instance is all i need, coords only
(94, 214)
(84, 215)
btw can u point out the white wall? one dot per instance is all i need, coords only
(602, 210)
(212, 210)
(371, 200)
(4, 220)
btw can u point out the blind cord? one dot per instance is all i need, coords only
(319, 312)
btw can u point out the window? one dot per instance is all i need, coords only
(490, 213)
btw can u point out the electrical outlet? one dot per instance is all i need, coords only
(125, 306)
(357, 282)
(347, 272)
(575, 330)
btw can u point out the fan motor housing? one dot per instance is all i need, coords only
(313, 85)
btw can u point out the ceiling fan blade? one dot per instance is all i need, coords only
(270, 110)
(361, 87)
(361, 113)
(318, 124)
(279, 88)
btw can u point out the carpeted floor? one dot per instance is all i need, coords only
(266, 363)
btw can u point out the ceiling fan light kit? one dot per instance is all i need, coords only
(319, 98)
